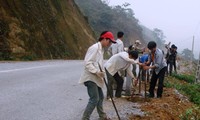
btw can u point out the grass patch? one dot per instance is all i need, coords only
(191, 114)
(187, 78)
(184, 84)
(185, 87)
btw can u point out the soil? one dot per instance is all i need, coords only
(169, 107)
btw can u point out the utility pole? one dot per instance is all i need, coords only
(198, 71)
(192, 49)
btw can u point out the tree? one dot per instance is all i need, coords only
(159, 37)
(118, 18)
(187, 54)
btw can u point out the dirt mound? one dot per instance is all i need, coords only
(169, 107)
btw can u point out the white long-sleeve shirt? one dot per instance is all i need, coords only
(93, 57)
(120, 61)
(118, 47)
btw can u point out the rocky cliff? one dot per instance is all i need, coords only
(43, 29)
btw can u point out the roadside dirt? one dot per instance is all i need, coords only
(169, 107)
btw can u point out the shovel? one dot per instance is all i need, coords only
(110, 94)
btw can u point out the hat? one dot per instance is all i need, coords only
(138, 41)
(109, 35)
(173, 46)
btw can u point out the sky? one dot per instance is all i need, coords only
(178, 19)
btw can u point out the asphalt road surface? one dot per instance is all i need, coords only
(42, 90)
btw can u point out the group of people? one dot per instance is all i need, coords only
(118, 65)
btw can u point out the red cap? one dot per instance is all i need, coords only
(109, 35)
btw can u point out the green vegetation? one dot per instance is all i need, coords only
(187, 54)
(185, 84)
(56, 29)
(187, 78)
(191, 114)
(102, 17)
(43, 29)
(118, 18)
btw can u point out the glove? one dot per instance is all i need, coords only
(100, 74)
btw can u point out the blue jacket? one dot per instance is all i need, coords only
(144, 58)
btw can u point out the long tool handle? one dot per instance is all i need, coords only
(110, 94)
(135, 84)
(138, 79)
(145, 88)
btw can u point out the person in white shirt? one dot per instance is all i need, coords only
(114, 49)
(92, 77)
(119, 46)
(120, 61)
(134, 47)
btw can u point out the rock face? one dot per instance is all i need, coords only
(43, 29)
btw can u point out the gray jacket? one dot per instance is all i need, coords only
(158, 61)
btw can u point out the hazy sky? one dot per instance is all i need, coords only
(178, 19)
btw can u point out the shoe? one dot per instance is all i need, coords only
(114, 99)
(108, 97)
(159, 96)
(150, 96)
(127, 94)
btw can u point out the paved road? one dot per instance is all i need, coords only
(42, 90)
(49, 90)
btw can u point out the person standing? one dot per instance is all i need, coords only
(114, 49)
(171, 59)
(92, 77)
(175, 59)
(133, 47)
(143, 59)
(119, 46)
(118, 62)
(136, 46)
(159, 68)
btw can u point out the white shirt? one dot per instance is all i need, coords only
(118, 47)
(93, 57)
(120, 61)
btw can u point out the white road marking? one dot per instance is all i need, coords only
(6, 71)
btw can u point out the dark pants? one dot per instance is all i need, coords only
(175, 66)
(153, 82)
(111, 83)
(170, 65)
(119, 80)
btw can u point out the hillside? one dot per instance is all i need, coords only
(43, 29)
(118, 18)
(101, 17)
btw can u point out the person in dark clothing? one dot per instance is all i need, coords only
(175, 59)
(171, 59)
(156, 57)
